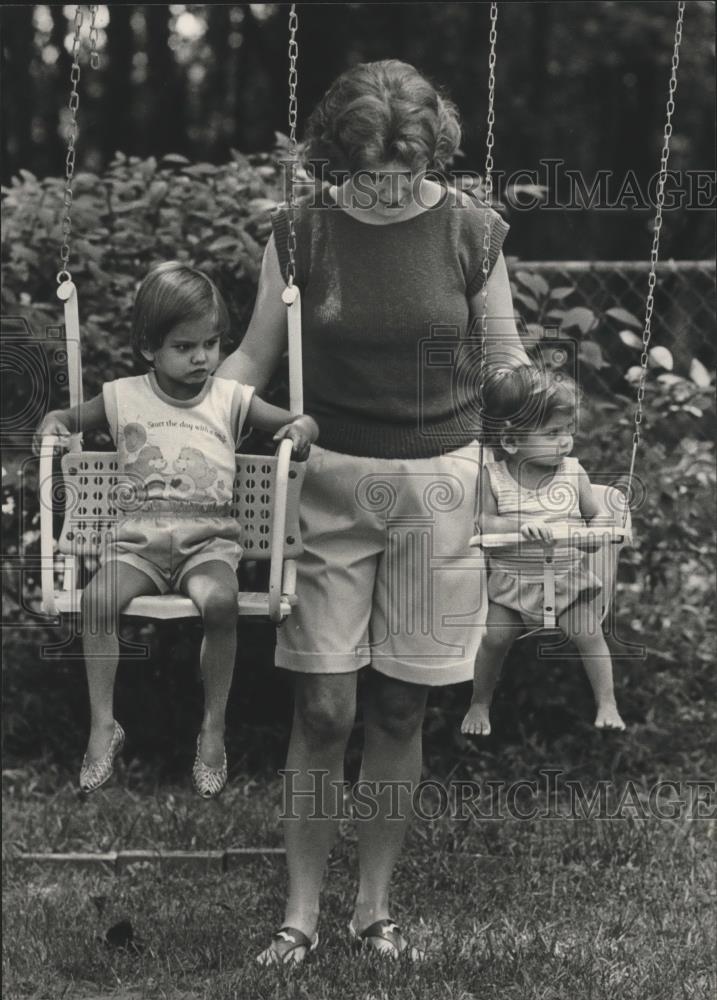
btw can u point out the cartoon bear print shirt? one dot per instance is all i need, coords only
(176, 454)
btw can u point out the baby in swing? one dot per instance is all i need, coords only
(529, 415)
(176, 429)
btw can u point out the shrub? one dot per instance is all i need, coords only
(142, 211)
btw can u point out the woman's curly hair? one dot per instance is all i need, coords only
(379, 112)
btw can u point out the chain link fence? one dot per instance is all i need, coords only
(685, 298)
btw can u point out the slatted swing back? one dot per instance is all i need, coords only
(93, 493)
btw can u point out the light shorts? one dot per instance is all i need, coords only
(527, 596)
(387, 576)
(167, 546)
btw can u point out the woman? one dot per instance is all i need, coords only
(390, 266)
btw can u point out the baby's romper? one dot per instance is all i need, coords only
(176, 476)
(515, 578)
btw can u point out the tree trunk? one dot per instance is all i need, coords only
(218, 92)
(118, 130)
(18, 92)
(167, 93)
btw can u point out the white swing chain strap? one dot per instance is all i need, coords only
(291, 295)
(654, 253)
(488, 197)
(66, 290)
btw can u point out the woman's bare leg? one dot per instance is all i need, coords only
(324, 715)
(393, 719)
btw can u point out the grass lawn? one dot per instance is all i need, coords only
(551, 908)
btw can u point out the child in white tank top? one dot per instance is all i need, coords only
(531, 414)
(176, 430)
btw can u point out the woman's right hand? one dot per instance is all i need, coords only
(54, 425)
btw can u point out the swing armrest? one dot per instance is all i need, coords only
(47, 543)
(561, 533)
(278, 532)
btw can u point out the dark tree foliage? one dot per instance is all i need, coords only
(584, 84)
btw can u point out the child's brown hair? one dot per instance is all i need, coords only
(524, 398)
(172, 293)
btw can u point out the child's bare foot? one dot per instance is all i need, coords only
(477, 721)
(608, 717)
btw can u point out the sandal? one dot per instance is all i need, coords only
(285, 945)
(208, 781)
(94, 775)
(384, 937)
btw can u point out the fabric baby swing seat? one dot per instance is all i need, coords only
(612, 527)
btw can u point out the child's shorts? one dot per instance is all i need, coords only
(526, 595)
(167, 546)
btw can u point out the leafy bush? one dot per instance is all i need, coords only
(142, 211)
(138, 213)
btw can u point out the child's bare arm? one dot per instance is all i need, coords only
(586, 498)
(89, 416)
(301, 430)
(589, 508)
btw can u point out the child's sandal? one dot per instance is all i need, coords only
(285, 947)
(208, 781)
(384, 937)
(94, 775)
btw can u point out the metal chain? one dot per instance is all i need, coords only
(94, 54)
(654, 253)
(74, 103)
(293, 146)
(488, 198)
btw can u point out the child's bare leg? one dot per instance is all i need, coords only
(581, 623)
(107, 593)
(213, 588)
(503, 625)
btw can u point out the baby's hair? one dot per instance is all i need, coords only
(377, 112)
(169, 294)
(524, 398)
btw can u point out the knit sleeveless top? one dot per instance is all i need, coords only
(389, 348)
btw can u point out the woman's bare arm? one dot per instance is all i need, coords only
(504, 348)
(258, 354)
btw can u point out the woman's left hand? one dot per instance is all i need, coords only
(302, 432)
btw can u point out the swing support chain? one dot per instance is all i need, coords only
(488, 197)
(293, 145)
(64, 273)
(655, 251)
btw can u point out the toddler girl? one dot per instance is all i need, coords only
(530, 414)
(176, 430)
